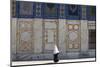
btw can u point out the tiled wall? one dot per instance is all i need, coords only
(29, 20)
(24, 9)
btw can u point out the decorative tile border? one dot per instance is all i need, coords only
(13, 8)
(62, 11)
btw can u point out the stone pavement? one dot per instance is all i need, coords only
(42, 62)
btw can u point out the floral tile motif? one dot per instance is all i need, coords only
(74, 36)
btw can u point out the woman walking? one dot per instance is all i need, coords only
(56, 53)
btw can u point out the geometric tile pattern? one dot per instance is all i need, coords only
(25, 36)
(13, 8)
(73, 36)
(53, 11)
(38, 9)
(62, 11)
(50, 36)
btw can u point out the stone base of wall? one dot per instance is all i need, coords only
(65, 55)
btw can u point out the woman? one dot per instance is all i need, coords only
(56, 53)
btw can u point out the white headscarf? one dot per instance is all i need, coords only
(56, 49)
